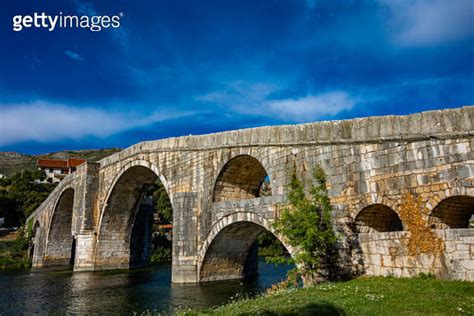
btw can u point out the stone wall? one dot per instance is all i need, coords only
(385, 254)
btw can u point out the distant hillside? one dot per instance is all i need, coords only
(11, 162)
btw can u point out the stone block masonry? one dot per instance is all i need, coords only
(227, 187)
(385, 254)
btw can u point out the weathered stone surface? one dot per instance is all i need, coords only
(456, 262)
(214, 183)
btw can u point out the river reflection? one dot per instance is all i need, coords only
(120, 292)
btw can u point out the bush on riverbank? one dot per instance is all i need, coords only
(160, 255)
(305, 223)
(14, 253)
(363, 296)
(161, 249)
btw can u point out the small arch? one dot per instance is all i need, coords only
(60, 241)
(453, 212)
(229, 251)
(242, 177)
(377, 218)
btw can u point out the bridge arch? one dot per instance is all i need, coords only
(452, 212)
(120, 242)
(241, 177)
(60, 245)
(137, 162)
(377, 218)
(226, 252)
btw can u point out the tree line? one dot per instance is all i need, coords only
(21, 194)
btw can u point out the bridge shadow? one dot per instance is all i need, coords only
(320, 308)
(357, 254)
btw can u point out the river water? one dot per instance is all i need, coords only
(120, 292)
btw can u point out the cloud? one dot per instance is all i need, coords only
(428, 22)
(312, 106)
(46, 122)
(74, 56)
(240, 91)
(257, 99)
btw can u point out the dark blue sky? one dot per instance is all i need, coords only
(177, 68)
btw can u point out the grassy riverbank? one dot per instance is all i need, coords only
(13, 255)
(13, 251)
(363, 296)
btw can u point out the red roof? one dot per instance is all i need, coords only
(74, 162)
(59, 163)
(51, 163)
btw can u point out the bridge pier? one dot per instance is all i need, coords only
(184, 252)
(85, 254)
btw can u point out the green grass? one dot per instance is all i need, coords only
(363, 296)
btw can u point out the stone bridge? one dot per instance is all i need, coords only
(91, 220)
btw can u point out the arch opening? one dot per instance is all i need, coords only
(128, 236)
(60, 246)
(453, 212)
(242, 178)
(235, 250)
(377, 218)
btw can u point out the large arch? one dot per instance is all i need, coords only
(123, 240)
(229, 251)
(242, 177)
(60, 246)
(453, 212)
(377, 218)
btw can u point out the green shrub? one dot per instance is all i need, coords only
(160, 254)
(14, 253)
(305, 223)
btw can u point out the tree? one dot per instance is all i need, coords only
(20, 195)
(305, 223)
(161, 248)
(271, 248)
(162, 203)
